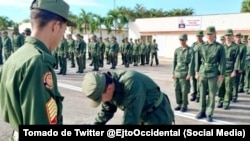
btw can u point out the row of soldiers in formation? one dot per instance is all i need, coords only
(132, 52)
(9, 45)
(211, 68)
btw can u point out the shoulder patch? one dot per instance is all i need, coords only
(51, 109)
(48, 80)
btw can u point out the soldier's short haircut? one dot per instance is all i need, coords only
(42, 17)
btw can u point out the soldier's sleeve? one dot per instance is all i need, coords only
(237, 58)
(174, 61)
(243, 57)
(9, 46)
(197, 61)
(65, 44)
(191, 64)
(222, 60)
(106, 113)
(37, 86)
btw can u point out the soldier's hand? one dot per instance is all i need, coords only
(188, 77)
(197, 76)
(173, 76)
(233, 74)
(220, 78)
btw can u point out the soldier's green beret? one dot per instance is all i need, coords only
(210, 30)
(199, 33)
(183, 37)
(93, 86)
(229, 32)
(59, 7)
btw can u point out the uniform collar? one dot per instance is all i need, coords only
(40, 45)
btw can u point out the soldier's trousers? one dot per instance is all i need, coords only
(207, 85)
(182, 88)
(126, 60)
(101, 60)
(1, 56)
(147, 57)
(143, 59)
(57, 60)
(6, 55)
(96, 62)
(84, 61)
(242, 80)
(194, 86)
(136, 59)
(107, 57)
(225, 90)
(79, 61)
(63, 64)
(247, 79)
(72, 59)
(113, 59)
(123, 58)
(236, 83)
(154, 56)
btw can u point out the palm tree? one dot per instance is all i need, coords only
(75, 19)
(4, 23)
(245, 6)
(86, 19)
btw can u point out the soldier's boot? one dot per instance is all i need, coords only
(193, 96)
(220, 105)
(151, 64)
(197, 99)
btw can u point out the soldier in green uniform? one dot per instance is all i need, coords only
(1, 49)
(135, 93)
(107, 48)
(79, 53)
(222, 39)
(131, 51)
(148, 50)
(126, 51)
(114, 50)
(27, 32)
(17, 39)
(136, 51)
(83, 52)
(183, 69)
(210, 67)
(102, 51)
(71, 49)
(195, 96)
(62, 56)
(143, 51)
(55, 54)
(232, 66)
(247, 68)
(239, 73)
(7, 45)
(154, 53)
(95, 53)
(89, 49)
(29, 93)
(122, 51)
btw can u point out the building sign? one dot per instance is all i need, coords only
(189, 22)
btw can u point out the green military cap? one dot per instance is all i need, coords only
(238, 35)
(78, 34)
(27, 30)
(229, 32)
(93, 86)
(183, 37)
(210, 30)
(199, 33)
(114, 37)
(59, 7)
(5, 32)
(222, 37)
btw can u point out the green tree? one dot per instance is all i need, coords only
(245, 6)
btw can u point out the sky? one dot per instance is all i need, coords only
(17, 10)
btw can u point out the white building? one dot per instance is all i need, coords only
(166, 30)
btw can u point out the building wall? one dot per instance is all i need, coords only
(166, 30)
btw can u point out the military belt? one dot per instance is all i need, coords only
(210, 64)
(156, 104)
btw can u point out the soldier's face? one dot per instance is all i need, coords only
(211, 37)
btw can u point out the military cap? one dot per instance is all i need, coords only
(114, 37)
(199, 33)
(222, 37)
(78, 34)
(58, 7)
(15, 28)
(5, 32)
(93, 86)
(238, 35)
(27, 30)
(229, 32)
(210, 30)
(183, 37)
(94, 36)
